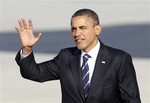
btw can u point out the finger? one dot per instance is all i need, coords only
(30, 24)
(24, 23)
(21, 25)
(17, 29)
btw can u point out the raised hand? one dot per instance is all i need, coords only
(27, 36)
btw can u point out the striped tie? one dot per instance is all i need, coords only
(85, 74)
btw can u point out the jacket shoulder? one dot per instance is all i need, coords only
(116, 52)
(70, 51)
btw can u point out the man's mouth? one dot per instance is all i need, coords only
(78, 40)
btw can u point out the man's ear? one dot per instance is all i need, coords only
(98, 29)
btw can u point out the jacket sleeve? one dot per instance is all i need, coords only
(127, 81)
(41, 72)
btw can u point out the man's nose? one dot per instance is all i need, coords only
(77, 32)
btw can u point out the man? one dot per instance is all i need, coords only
(91, 72)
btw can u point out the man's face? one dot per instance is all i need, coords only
(84, 32)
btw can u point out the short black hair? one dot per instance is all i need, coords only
(88, 12)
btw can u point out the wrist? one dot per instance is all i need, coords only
(26, 50)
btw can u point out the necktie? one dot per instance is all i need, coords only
(85, 74)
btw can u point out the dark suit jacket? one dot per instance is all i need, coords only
(113, 81)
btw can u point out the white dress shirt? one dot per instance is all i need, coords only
(91, 61)
(23, 56)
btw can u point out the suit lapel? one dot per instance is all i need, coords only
(75, 68)
(99, 70)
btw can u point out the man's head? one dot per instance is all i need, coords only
(85, 29)
(89, 13)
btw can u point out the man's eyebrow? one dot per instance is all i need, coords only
(73, 27)
(82, 26)
(79, 26)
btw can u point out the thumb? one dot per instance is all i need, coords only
(38, 37)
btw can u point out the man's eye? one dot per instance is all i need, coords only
(72, 29)
(83, 27)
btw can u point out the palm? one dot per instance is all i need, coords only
(27, 38)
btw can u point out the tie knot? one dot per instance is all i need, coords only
(86, 57)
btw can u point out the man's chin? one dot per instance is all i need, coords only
(80, 47)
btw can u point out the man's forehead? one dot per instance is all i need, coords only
(81, 20)
(82, 16)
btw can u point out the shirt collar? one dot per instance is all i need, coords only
(93, 52)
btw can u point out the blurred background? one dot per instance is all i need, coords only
(126, 25)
